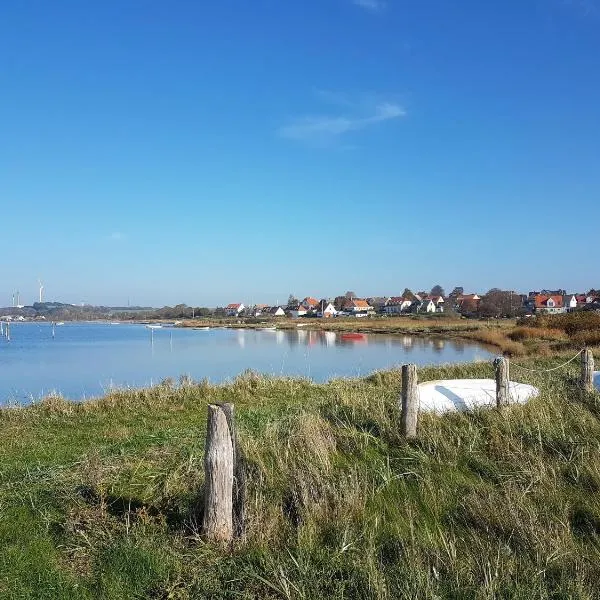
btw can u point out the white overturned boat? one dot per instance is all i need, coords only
(466, 394)
(154, 326)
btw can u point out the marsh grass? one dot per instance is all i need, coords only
(103, 499)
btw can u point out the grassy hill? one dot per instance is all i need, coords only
(103, 499)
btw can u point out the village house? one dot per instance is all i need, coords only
(258, 309)
(439, 302)
(378, 303)
(326, 310)
(467, 303)
(273, 311)
(584, 300)
(396, 305)
(548, 304)
(357, 307)
(234, 310)
(570, 302)
(310, 304)
(296, 311)
(427, 305)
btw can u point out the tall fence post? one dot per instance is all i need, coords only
(410, 401)
(587, 371)
(502, 381)
(217, 523)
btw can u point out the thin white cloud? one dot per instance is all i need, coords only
(117, 236)
(327, 128)
(370, 5)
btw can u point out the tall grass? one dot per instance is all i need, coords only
(103, 499)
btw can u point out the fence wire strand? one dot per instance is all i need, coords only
(512, 364)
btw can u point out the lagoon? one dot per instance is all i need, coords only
(85, 360)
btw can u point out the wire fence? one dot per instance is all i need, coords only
(513, 364)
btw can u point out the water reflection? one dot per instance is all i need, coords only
(85, 359)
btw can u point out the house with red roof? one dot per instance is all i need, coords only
(357, 307)
(310, 303)
(468, 303)
(234, 309)
(548, 304)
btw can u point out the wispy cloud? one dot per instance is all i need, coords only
(325, 129)
(116, 236)
(371, 5)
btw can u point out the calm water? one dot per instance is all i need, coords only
(84, 360)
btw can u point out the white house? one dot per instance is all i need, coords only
(439, 303)
(427, 306)
(570, 302)
(396, 305)
(274, 311)
(326, 310)
(234, 310)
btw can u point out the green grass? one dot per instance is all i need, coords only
(104, 499)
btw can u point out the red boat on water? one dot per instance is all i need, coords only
(353, 336)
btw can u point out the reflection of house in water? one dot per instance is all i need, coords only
(302, 334)
(313, 337)
(241, 338)
(329, 337)
(407, 341)
(279, 336)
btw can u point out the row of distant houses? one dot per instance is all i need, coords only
(466, 304)
(357, 307)
(555, 303)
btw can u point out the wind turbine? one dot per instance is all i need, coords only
(41, 290)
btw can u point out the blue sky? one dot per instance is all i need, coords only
(197, 152)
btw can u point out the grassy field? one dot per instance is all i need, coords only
(104, 499)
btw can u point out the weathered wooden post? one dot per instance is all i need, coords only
(502, 381)
(587, 371)
(239, 474)
(410, 401)
(217, 524)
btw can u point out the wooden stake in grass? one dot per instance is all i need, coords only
(239, 474)
(410, 401)
(502, 381)
(217, 523)
(587, 371)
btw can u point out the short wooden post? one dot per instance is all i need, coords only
(410, 401)
(502, 381)
(217, 524)
(587, 371)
